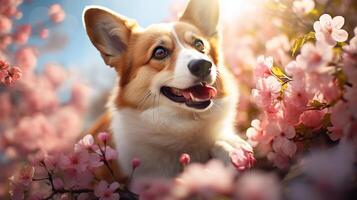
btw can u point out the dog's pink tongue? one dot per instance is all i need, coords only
(200, 92)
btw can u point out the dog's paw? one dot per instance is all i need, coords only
(234, 151)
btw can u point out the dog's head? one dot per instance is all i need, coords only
(170, 64)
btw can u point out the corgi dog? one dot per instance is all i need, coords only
(173, 93)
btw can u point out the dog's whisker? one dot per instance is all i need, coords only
(143, 99)
(219, 79)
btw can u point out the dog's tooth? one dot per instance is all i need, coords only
(192, 97)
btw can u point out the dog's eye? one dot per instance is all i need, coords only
(199, 45)
(160, 53)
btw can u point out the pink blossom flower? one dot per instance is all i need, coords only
(329, 88)
(86, 143)
(58, 183)
(104, 191)
(110, 153)
(44, 33)
(4, 65)
(328, 29)
(336, 133)
(283, 132)
(296, 98)
(16, 190)
(80, 161)
(20, 182)
(303, 6)
(283, 145)
(5, 24)
(34, 130)
(200, 178)
(295, 70)
(14, 74)
(255, 132)
(26, 58)
(77, 161)
(56, 74)
(314, 57)
(262, 68)
(52, 160)
(242, 158)
(257, 185)
(40, 96)
(5, 41)
(24, 176)
(56, 13)
(312, 118)
(9, 75)
(23, 34)
(266, 92)
(292, 112)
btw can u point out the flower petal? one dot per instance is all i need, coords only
(278, 143)
(115, 196)
(340, 35)
(114, 186)
(289, 132)
(317, 26)
(100, 188)
(319, 36)
(338, 22)
(325, 18)
(289, 147)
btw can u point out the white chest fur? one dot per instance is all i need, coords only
(159, 136)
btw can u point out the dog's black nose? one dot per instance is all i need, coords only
(200, 68)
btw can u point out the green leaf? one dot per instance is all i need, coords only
(341, 77)
(314, 12)
(280, 74)
(318, 105)
(300, 41)
(341, 44)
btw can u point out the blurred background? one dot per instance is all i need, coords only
(65, 84)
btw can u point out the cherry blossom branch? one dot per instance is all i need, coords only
(105, 161)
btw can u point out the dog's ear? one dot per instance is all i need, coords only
(108, 31)
(204, 14)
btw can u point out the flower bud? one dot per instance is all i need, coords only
(184, 159)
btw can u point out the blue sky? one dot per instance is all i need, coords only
(78, 50)
(78, 53)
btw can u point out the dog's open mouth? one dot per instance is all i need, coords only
(198, 96)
